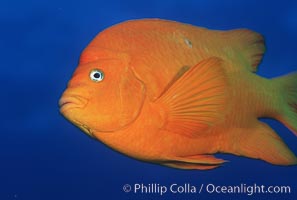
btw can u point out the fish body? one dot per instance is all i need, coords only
(175, 94)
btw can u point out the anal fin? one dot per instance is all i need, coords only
(263, 143)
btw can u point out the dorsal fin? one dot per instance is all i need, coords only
(250, 44)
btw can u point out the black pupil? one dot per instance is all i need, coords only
(97, 75)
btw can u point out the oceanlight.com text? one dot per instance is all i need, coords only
(247, 189)
(210, 188)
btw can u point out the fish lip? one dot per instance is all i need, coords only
(71, 101)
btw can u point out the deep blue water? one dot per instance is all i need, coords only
(44, 157)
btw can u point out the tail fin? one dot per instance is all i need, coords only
(288, 85)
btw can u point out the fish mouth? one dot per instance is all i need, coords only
(71, 101)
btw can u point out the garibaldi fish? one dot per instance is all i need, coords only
(175, 94)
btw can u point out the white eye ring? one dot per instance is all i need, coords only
(96, 75)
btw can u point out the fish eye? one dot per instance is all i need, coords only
(96, 75)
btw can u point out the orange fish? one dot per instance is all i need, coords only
(175, 94)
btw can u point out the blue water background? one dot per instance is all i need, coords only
(44, 157)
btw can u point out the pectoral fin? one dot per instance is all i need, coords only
(195, 100)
